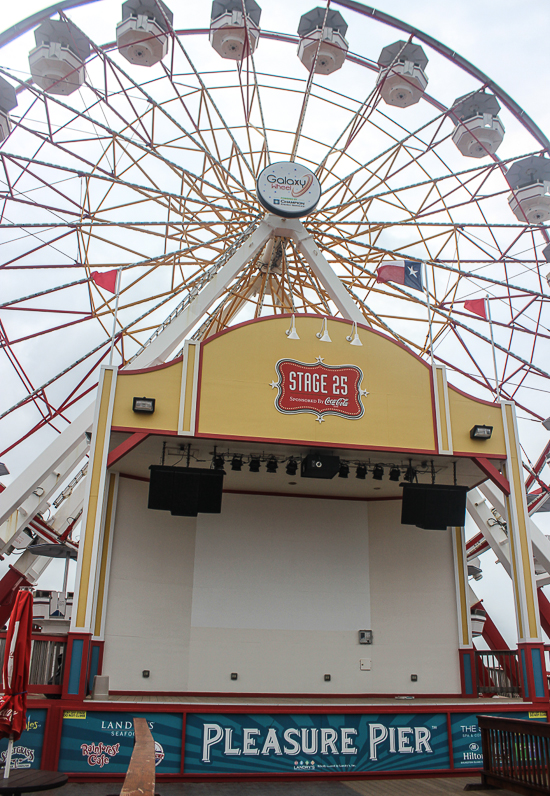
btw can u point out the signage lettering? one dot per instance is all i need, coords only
(319, 389)
(309, 741)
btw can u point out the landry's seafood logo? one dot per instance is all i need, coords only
(319, 389)
(304, 765)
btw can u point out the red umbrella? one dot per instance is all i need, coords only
(15, 672)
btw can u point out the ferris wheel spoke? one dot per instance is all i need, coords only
(176, 40)
(449, 175)
(116, 69)
(204, 202)
(185, 174)
(396, 146)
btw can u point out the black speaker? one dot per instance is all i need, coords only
(210, 492)
(160, 487)
(320, 465)
(434, 507)
(185, 491)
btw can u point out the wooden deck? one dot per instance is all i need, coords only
(437, 786)
(440, 786)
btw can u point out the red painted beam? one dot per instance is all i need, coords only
(125, 447)
(491, 633)
(491, 472)
(538, 466)
(544, 610)
(9, 586)
(476, 545)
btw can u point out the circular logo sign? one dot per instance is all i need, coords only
(288, 189)
(159, 753)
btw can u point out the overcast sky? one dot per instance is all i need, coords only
(507, 39)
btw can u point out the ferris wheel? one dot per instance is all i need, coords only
(137, 157)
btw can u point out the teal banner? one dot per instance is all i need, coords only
(27, 751)
(315, 743)
(466, 735)
(101, 742)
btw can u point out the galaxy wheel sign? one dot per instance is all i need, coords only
(319, 389)
(288, 189)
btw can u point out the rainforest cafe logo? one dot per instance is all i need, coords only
(319, 389)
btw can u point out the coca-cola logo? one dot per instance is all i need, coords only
(319, 389)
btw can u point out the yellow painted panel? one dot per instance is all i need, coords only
(513, 559)
(465, 413)
(162, 384)
(236, 398)
(188, 408)
(516, 475)
(442, 411)
(95, 479)
(464, 606)
(104, 554)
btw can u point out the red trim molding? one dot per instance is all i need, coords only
(491, 472)
(125, 447)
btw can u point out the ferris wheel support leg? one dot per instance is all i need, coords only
(320, 266)
(43, 475)
(540, 543)
(172, 336)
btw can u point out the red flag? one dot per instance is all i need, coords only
(15, 672)
(476, 306)
(106, 280)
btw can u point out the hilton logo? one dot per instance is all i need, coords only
(319, 389)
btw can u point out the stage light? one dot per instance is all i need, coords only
(410, 474)
(271, 465)
(353, 338)
(395, 474)
(237, 463)
(378, 472)
(323, 335)
(146, 405)
(218, 462)
(291, 333)
(292, 467)
(254, 465)
(343, 472)
(481, 432)
(361, 471)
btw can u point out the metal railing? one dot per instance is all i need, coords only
(516, 754)
(47, 661)
(497, 672)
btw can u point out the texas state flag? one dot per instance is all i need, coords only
(404, 272)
